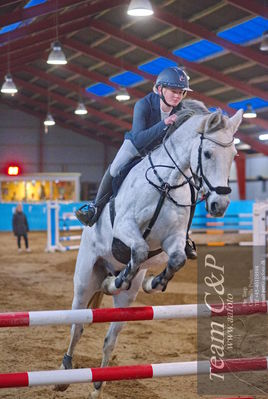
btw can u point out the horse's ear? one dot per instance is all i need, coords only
(214, 121)
(236, 120)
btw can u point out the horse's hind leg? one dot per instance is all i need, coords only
(85, 289)
(174, 247)
(124, 299)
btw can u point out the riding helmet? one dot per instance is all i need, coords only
(173, 77)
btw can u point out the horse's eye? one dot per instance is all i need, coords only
(207, 154)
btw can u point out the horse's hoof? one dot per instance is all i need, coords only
(108, 286)
(66, 365)
(147, 284)
(97, 385)
(60, 388)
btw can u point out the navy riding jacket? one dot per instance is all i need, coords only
(147, 128)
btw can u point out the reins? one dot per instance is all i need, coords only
(164, 188)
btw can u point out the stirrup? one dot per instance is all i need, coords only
(86, 214)
(190, 249)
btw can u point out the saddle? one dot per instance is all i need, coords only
(122, 252)
(118, 180)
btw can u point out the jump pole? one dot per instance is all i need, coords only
(57, 317)
(36, 378)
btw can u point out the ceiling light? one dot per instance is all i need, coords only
(122, 95)
(263, 137)
(49, 121)
(249, 112)
(81, 109)
(236, 140)
(56, 55)
(140, 8)
(264, 41)
(9, 86)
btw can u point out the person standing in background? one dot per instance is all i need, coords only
(20, 227)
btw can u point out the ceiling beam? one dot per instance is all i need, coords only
(75, 45)
(113, 61)
(5, 3)
(46, 36)
(109, 59)
(39, 10)
(69, 16)
(49, 77)
(158, 50)
(66, 117)
(97, 77)
(253, 6)
(21, 107)
(70, 103)
(203, 33)
(246, 88)
(255, 144)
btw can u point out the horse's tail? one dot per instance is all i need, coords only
(95, 301)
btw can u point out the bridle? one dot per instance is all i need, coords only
(197, 176)
(221, 190)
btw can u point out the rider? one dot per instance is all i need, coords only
(152, 114)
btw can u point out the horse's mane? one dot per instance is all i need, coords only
(198, 107)
(194, 107)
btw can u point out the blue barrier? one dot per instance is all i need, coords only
(37, 215)
(238, 217)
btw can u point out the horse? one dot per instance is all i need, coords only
(198, 154)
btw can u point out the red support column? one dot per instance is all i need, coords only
(240, 162)
(41, 147)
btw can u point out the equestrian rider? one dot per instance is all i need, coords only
(152, 114)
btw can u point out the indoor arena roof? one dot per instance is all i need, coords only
(216, 41)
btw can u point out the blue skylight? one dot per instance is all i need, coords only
(157, 65)
(33, 3)
(238, 34)
(255, 102)
(100, 89)
(201, 49)
(9, 28)
(198, 50)
(246, 31)
(127, 79)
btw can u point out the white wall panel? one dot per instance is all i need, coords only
(63, 150)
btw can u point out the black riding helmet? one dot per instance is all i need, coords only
(174, 78)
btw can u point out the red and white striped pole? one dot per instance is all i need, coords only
(36, 378)
(56, 317)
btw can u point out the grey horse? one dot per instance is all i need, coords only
(201, 146)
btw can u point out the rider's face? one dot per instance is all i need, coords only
(173, 96)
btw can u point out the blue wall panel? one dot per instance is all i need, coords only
(37, 214)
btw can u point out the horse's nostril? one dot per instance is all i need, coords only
(214, 206)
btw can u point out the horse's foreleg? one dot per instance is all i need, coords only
(124, 299)
(176, 261)
(114, 285)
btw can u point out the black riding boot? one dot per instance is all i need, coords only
(90, 216)
(190, 248)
